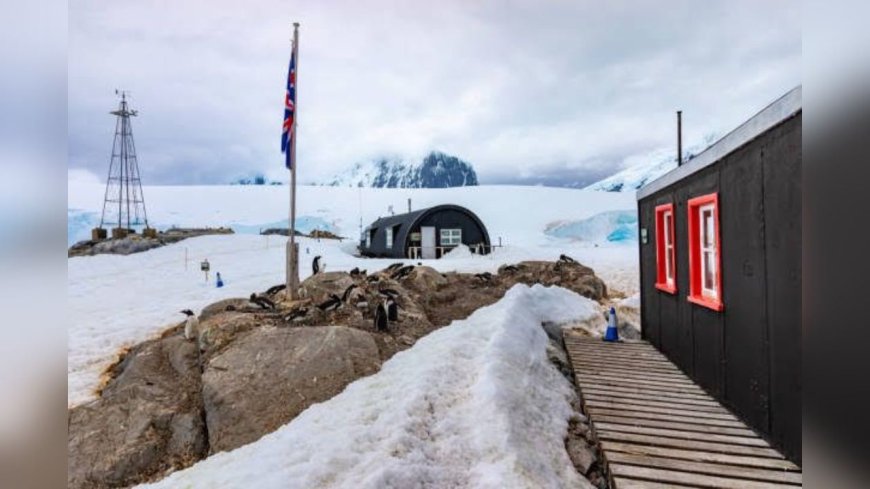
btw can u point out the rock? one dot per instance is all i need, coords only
(147, 421)
(572, 276)
(264, 379)
(221, 306)
(318, 287)
(425, 279)
(628, 313)
(218, 330)
(582, 454)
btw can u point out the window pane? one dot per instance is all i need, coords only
(709, 270)
(707, 224)
(670, 266)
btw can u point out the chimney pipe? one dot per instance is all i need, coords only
(679, 138)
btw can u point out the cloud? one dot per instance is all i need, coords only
(514, 87)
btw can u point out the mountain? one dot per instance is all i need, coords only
(436, 170)
(256, 179)
(635, 177)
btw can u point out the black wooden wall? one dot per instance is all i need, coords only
(749, 355)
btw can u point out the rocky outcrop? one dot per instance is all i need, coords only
(266, 378)
(170, 404)
(572, 276)
(147, 421)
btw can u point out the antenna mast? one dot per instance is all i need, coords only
(124, 202)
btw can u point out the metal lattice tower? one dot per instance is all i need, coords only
(124, 202)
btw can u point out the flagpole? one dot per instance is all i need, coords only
(292, 249)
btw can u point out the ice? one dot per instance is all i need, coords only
(609, 226)
(474, 404)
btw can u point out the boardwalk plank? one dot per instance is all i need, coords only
(680, 434)
(652, 423)
(687, 444)
(646, 395)
(661, 410)
(666, 417)
(666, 403)
(699, 456)
(691, 479)
(625, 483)
(707, 468)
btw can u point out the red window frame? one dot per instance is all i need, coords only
(662, 253)
(698, 294)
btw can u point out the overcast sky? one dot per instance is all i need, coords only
(527, 91)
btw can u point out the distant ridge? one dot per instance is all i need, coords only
(436, 170)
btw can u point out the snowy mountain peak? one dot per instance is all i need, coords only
(657, 164)
(436, 170)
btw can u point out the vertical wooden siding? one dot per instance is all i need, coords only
(748, 355)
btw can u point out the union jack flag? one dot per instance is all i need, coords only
(289, 111)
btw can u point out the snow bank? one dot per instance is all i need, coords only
(474, 404)
(461, 252)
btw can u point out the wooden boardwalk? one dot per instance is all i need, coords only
(657, 428)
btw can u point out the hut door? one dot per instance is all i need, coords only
(428, 242)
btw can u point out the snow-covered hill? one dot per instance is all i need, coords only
(635, 177)
(655, 165)
(436, 170)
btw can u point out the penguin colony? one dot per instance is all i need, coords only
(386, 311)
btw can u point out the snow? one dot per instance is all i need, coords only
(474, 404)
(118, 301)
(635, 177)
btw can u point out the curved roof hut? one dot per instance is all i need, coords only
(425, 233)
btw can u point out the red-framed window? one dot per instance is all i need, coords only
(705, 252)
(666, 264)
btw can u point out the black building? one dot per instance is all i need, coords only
(425, 233)
(720, 263)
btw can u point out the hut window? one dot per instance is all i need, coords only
(389, 237)
(451, 237)
(665, 252)
(705, 275)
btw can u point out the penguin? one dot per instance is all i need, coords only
(315, 265)
(331, 304)
(511, 268)
(381, 318)
(263, 302)
(354, 272)
(191, 325)
(373, 279)
(347, 292)
(389, 293)
(296, 315)
(402, 272)
(275, 289)
(484, 277)
(392, 310)
(567, 259)
(393, 267)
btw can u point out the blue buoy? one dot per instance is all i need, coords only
(220, 281)
(612, 334)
